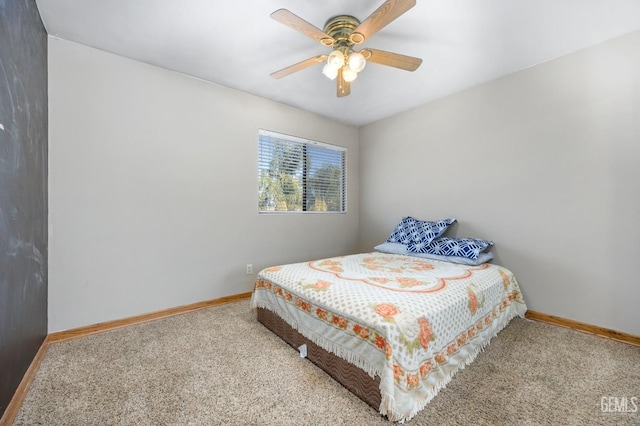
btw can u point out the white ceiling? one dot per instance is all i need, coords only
(463, 43)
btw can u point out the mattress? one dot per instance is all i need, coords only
(406, 322)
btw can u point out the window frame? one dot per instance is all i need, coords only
(305, 143)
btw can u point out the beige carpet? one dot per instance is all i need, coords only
(218, 366)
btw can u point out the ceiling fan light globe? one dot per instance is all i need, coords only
(348, 74)
(330, 72)
(336, 59)
(356, 61)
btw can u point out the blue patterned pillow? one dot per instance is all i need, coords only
(445, 246)
(398, 248)
(402, 231)
(413, 230)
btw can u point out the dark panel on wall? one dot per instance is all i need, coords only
(23, 190)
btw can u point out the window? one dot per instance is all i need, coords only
(300, 175)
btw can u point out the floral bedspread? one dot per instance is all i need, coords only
(413, 322)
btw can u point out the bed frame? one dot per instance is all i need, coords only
(356, 380)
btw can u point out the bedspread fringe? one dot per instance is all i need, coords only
(396, 410)
(388, 405)
(325, 344)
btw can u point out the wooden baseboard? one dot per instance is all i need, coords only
(111, 325)
(586, 328)
(23, 388)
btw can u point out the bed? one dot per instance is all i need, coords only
(392, 328)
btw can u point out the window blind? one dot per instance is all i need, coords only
(300, 175)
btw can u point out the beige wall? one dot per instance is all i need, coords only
(153, 189)
(153, 184)
(546, 162)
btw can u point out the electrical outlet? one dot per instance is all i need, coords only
(249, 269)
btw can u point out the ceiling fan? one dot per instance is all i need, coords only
(342, 33)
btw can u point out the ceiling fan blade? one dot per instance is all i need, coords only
(380, 18)
(344, 87)
(299, 66)
(408, 63)
(297, 23)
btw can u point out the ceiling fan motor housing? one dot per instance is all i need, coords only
(341, 28)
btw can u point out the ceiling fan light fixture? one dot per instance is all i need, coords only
(329, 71)
(342, 33)
(348, 74)
(336, 59)
(356, 61)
